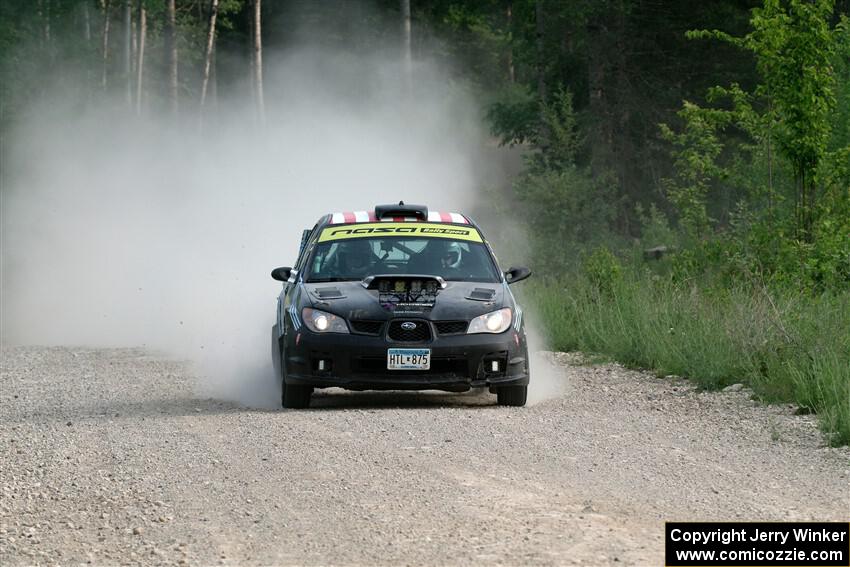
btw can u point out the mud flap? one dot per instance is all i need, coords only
(276, 353)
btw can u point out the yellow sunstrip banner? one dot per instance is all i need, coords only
(418, 229)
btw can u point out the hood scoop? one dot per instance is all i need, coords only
(482, 294)
(324, 293)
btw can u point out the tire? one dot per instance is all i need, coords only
(512, 396)
(295, 396)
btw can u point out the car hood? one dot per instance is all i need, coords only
(457, 301)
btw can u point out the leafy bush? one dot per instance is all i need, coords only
(566, 212)
(603, 270)
(566, 209)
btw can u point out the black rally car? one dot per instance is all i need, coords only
(398, 298)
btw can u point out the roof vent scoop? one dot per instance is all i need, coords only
(401, 210)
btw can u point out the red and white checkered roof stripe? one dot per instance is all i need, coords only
(349, 217)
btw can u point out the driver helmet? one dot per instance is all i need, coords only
(357, 255)
(451, 255)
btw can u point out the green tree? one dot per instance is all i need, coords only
(794, 47)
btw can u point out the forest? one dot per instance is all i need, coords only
(683, 169)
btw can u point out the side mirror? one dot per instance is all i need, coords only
(281, 274)
(514, 275)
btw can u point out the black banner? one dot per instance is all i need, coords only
(757, 544)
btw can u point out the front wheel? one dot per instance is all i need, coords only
(296, 396)
(512, 395)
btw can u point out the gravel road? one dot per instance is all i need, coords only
(109, 456)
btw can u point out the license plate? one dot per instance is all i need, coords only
(409, 359)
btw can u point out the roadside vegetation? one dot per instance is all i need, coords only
(788, 345)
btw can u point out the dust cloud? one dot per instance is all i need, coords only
(148, 231)
(549, 379)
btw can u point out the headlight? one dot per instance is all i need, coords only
(495, 322)
(321, 322)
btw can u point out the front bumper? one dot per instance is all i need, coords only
(357, 362)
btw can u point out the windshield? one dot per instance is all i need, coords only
(356, 258)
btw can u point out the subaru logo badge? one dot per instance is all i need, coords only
(408, 325)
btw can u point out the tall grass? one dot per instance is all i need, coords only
(788, 346)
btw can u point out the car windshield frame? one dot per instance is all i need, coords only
(401, 243)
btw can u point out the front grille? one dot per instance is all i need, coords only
(367, 327)
(422, 331)
(451, 327)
